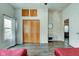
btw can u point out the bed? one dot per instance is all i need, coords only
(66, 52)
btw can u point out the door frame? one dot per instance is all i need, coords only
(68, 29)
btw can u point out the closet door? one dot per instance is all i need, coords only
(31, 31)
(35, 32)
(27, 31)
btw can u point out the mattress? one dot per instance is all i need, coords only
(66, 52)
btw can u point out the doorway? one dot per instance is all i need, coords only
(31, 31)
(66, 31)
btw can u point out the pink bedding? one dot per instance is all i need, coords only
(67, 52)
(13, 52)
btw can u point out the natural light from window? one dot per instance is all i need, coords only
(7, 28)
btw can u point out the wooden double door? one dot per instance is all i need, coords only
(31, 31)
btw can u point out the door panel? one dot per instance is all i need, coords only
(38, 32)
(35, 30)
(38, 37)
(27, 31)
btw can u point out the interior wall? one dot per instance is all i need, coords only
(42, 16)
(72, 13)
(56, 32)
(10, 11)
(57, 27)
(50, 21)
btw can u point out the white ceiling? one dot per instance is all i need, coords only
(53, 6)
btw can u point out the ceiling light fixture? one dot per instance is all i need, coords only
(45, 3)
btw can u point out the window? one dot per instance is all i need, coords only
(7, 28)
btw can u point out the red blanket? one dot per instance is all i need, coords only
(13, 52)
(67, 52)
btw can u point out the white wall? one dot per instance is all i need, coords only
(56, 31)
(8, 10)
(42, 16)
(72, 13)
(50, 21)
(57, 26)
